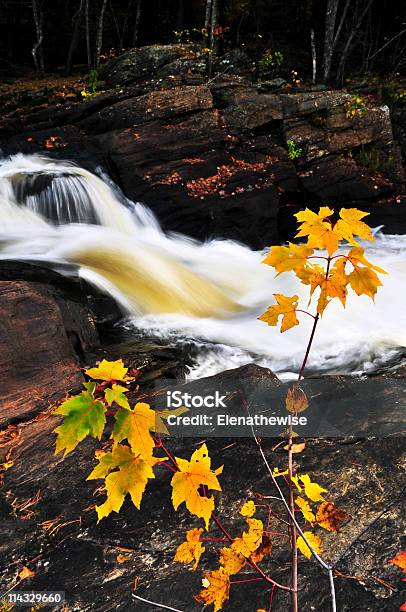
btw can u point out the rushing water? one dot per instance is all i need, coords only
(175, 287)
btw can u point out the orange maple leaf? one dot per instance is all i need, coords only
(286, 307)
(330, 517)
(399, 560)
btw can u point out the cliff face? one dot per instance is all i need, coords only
(212, 159)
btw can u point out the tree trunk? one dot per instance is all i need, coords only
(137, 23)
(37, 50)
(88, 46)
(213, 27)
(208, 15)
(314, 56)
(331, 16)
(77, 18)
(99, 35)
(349, 43)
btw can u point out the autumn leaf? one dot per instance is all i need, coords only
(135, 426)
(332, 285)
(250, 540)
(123, 558)
(285, 307)
(231, 560)
(288, 258)
(363, 279)
(124, 473)
(248, 509)
(190, 550)
(276, 472)
(25, 573)
(264, 549)
(218, 589)
(109, 370)
(84, 416)
(191, 476)
(115, 394)
(350, 225)
(296, 399)
(399, 560)
(320, 233)
(330, 517)
(314, 542)
(305, 509)
(312, 490)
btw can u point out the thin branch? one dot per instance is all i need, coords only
(154, 603)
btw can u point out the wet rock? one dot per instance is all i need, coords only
(155, 105)
(43, 337)
(145, 62)
(55, 532)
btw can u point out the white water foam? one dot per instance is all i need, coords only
(178, 288)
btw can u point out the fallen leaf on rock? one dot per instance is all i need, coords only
(25, 573)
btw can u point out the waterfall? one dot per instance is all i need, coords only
(56, 212)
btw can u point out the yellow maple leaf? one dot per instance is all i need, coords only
(314, 542)
(191, 476)
(285, 307)
(288, 258)
(250, 540)
(276, 472)
(248, 509)
(109, 370)
(331, 285)
(350, 225)
(124, 473)
(330, 517)
(363, 279)
(190, 550)
(231, 560)
(135, 426)
(319, 231)
(217, 590)
(312, 490)
(305, 509)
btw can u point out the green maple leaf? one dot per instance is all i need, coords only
(84, 416)
(115, 394)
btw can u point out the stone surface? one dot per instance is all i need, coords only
(48, 507)
(45, 334)
(212, 159)
(145, 62)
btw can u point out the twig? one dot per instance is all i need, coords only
(154, 603)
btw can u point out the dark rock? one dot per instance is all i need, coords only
(42, 337)
(151, 106)
(58, 537)
(145, 62)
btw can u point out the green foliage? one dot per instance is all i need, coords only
(294, 151)
(270, 61)
(93, 85)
